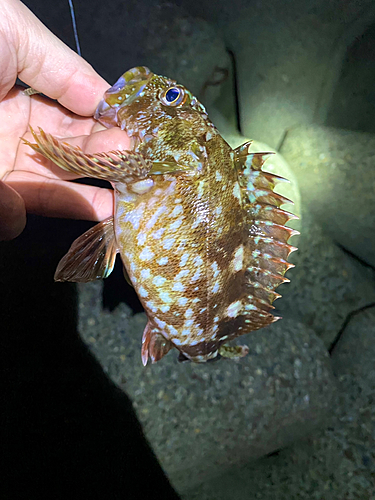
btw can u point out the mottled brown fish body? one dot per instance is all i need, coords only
(180, 245)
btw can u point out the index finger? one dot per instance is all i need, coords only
(44, 62)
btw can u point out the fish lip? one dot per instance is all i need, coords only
(118, 86)
(106, 114)
(103, 106)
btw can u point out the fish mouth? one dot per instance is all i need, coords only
(127, 88)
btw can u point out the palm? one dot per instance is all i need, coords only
(44, 186)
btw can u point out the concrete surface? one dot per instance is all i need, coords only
(203, 419)
(335, 172)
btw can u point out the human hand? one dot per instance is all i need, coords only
(29, 183)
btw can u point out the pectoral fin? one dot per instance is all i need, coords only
(91, 256)
(114, 166)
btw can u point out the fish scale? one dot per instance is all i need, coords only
(198, 226)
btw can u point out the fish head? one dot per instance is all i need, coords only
(163, 119)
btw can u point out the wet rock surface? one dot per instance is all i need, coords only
(220, 414)
(336, 176)
(335, 463)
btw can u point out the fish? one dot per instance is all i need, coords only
(199, 228)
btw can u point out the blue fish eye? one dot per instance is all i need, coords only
(172, 94)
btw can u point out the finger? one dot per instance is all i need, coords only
(57, 198)
(44, 62)
(102, 141)
(12, 213)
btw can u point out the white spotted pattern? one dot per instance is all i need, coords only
(233, 309)
(184, 259)
(151, 222)
(146, 254)
(165, 297)
(135, 216)
(237, 192)
(189, 313)
(151, 306)
(145, 273)
(141, 238)
(162, 261)
(158, 234)
(177, 211)
(215, 269)
(168, 243)
(198, 260)
(159, 280)
(181, 274)
(178, 287)
(175, 225)
(196, 276)
(173, 330)
(161, 324)
(237, 261)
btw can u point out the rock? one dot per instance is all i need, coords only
(203, 419)
(353, 363)
(354, 354)
(336, 176)
(339, 459)
(288, 58)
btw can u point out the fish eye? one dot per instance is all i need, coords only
(173, 96)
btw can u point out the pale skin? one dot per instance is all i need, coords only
(28, 182)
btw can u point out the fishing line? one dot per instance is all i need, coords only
(74, 27)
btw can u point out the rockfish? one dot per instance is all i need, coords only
(198, 226)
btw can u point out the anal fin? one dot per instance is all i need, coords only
(91, 256)
(154, 345)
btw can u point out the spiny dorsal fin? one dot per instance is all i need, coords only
(268, 249)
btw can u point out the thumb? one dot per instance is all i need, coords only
(12, 213)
